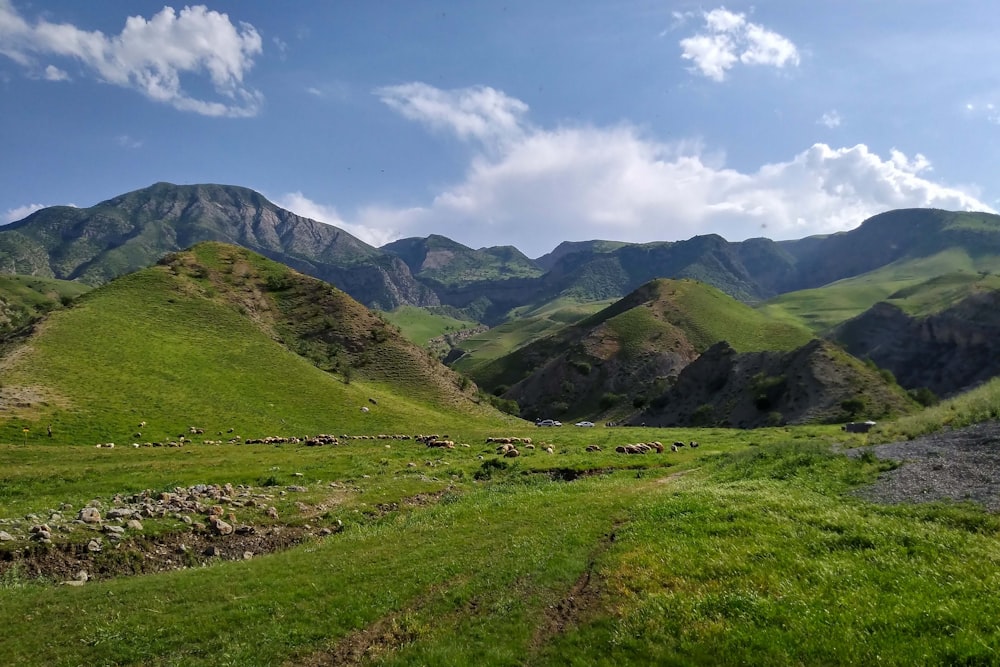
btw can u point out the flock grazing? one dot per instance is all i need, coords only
(506, 446)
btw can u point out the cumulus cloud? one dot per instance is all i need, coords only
(728, 38)
(480, 113)
(831, 119)
(298, 203)
(21, 212)
(543, 186)
(149, 55)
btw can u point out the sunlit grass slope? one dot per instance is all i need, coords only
(420, 325)
(919, 286)
(525, 326)
(23, 298)
(176, 345)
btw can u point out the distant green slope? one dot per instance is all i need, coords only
(917, 285)
(526, 325)
(419, 325)
(23, 298)
(175, 346)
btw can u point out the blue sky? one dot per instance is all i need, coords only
(522, 123)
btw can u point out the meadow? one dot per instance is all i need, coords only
(747, 550)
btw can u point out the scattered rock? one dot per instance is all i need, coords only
(93, 546)
(89, 515)
(134, 524)
(5, 536)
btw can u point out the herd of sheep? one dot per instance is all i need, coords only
(507, 446)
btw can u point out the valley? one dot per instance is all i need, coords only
(229, 435)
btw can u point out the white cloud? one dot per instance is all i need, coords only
(831, 119)
(575, 183)
(298, 203)
(150, 55)
(481, 113)
(729, 38)
(125, 141)
(21, 212)
(53, 73)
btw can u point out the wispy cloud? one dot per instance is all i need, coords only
(21, 212)
(149, 56)
(728, 38)
(546, 185)
(125, 141)
(830, 119)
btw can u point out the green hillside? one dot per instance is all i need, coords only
(23, 298)
(209, 338)
(914, 284)
(524, 326)
(615, 360)
(420, 325)
(707, 316)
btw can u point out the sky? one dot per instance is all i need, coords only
(520, 122)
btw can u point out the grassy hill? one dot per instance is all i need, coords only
(618, 358)
(917, 285)
(222, 338)
(525, 325)
(420, 325)
(24, 298)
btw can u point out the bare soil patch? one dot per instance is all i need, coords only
(959, 465)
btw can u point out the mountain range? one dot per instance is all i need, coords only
(910, 290)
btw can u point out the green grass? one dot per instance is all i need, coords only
(134, 353)
(920, 286)
(974, 406)
(528, 324)
(755, 554)
(708, 315)
(420, 326)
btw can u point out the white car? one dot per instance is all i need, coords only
(548, 422)
(586, 424)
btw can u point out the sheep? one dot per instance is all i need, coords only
(373, 401)
(694, 443)
(364, 408)
(673, 447)
(512, 453)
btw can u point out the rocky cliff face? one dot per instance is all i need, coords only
(948, 353)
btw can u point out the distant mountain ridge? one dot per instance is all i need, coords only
(93, 245)
(133, 231)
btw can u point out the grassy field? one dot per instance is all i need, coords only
(904, 283)
(748, 550)
(420, 325)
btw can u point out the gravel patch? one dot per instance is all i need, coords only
(960, 465)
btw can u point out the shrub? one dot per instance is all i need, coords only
(703, 415)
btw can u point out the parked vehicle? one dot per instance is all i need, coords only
(585, 424)
(548, 422)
